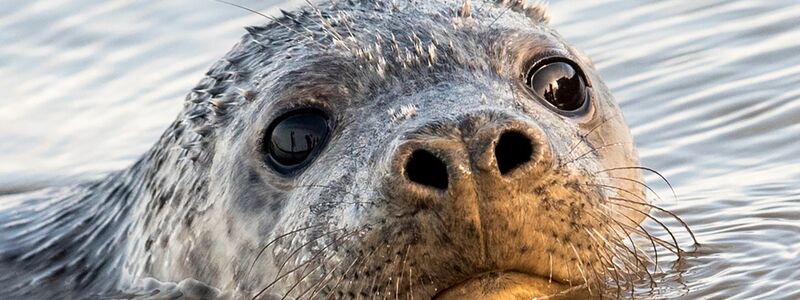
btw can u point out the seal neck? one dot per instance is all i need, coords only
(67, 241)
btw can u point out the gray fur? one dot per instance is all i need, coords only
(202, 204)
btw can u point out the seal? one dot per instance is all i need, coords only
(361, 149)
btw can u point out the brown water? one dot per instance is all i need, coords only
(711, 90)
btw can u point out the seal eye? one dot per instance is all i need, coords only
(559, 83)
(294, 138)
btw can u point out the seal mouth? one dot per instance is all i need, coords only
(509, 285)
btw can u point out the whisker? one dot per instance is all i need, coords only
(635, 181)
(305, 275)
(663, 178)
(671, 214)
(608, 262)
(296, 251)
(274, 241)
(620, 245)
(402, 268)
(324, 280)
(275, 20)
(307, 263)
(649, 236)
(580, 269)
(322, 22)
(582, 137)
(644, 202)
(672, 247)
(318, 253)
(550, 278)
(635, 254)
(500, 16)
(594, 150)
(344, 274)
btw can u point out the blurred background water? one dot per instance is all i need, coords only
(711, 90)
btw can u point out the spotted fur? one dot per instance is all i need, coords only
(201, 204)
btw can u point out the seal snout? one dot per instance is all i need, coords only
(512, 150)
(480, 194)
(438, 159)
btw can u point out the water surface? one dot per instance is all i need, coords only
(711, 90)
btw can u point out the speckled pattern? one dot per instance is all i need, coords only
(201, 206)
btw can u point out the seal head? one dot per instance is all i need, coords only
(388, 149)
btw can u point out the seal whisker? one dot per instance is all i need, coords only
(276, 21)
(661, 242)
(579, 264)
(264, 248)
(550, 277)
(618, 244)
(301, 247)
(303, 277)
(671, 214)
(651, 170)
(639, 182)
(582, 137)
(364, 263)
(402, 272)
(369, 259)
(321, 284)
(371, 285)
(667, 245)
(635, 254)
(279, 276)
(645, 233)
(305, 263)
(389, 273)
(608, 263)
(410, 282)
(593, 150)
(308, 263)
(677, 249)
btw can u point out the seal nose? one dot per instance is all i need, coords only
(512, 150)
(439, 160)
(426, 169)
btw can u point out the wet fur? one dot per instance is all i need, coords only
(201, 204)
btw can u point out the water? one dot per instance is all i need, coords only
(711, 90)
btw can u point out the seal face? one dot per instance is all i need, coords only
(363, 149)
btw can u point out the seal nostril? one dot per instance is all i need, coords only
(513, 149)
(426, 169)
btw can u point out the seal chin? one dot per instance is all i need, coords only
(508, 285)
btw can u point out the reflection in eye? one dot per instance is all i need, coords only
(296, 136)
(559, 84)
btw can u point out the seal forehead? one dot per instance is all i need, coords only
(331, 24)
(383, 33)
(402, 40)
